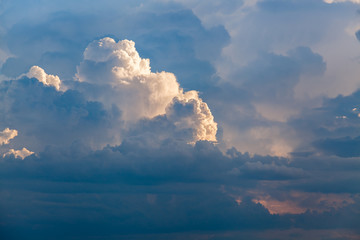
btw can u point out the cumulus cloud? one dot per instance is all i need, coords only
(6, 135)
(189, 111)
(23, 153)
(116, 90)
(129, 64)
(141, 93)
(47, 79)
(146, 180)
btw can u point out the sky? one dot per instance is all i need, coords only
(180, 119)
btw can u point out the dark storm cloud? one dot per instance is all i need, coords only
(45, 116)
(331, 128)
(148, 179)
(134, 189)
(342, 147)
(146, 163)
(79, 193)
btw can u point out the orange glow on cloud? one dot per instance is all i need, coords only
(278, 207)
(300, 202)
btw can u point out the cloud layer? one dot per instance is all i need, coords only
(244, 126)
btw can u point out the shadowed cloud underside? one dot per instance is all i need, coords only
(217, 120)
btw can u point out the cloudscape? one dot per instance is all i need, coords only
(180, 119)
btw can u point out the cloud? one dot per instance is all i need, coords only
(169, 27)
(58, 39)
(46, 116)
(174, 187)
(273, 77)
(141, 93)
(340, 1)
(112, 155)
(331, 127)
(357, 34)
(189, 111)
(23, 153)
(115, 89)
(6, 135)
(342, 147)
(47, 79)
(262, 98)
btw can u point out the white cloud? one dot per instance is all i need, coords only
(140, 93)
(129, 63)
(197, 117)
(6, 135)
(47, 79)
(23, 153)
(339, 1)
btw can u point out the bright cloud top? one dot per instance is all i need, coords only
(197, 115)
(128, 63)
(23, 153)
(140, 93)
(47, 79)
(6, 135)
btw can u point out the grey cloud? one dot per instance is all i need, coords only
(342, 147)
(330, 128)
(148, 180)
(274, 76)
(259, 170)
(58, 43)
(45, 116)
(14, 67)
(261, 96)
(286, 6)
(137, 188)
(357, 34)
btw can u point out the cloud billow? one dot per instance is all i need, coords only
(140, 93)
(44, 116)
(144, 189)
(96, 142)
(126, 91)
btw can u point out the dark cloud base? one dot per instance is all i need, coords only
(174, 190)
(154, 185)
